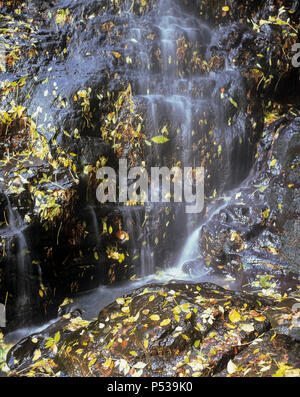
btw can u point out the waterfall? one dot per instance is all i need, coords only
(185, 102)
(191, 249)
(19, 256)
(167, 51)
(139, 225)
(93, 224)
(166, 89)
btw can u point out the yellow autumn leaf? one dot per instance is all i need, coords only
(260, 318)
(185, 337)
(120, 301)
(176, 310)
(151, 298)
(185, 307)
(92, 362)
(165, 322)
(225, 8)
(37, 355)
(155, 317)
(146, 342)
(234, 316)
(273, 250)
(231, 367)
(233, 236)
(107, 363)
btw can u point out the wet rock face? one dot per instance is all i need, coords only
(70, 94)
(80, 58)
(224, 12)
(259, 357)
(165, 330)
(47, 121)
(171, 329)
(258, 37)
(256, 233)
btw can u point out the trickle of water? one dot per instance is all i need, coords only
(140, 226)
(94, 230)
(19, 253)
(191, 249)
(17, 335)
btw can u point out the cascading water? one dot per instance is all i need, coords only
(136, 222)
(20, 259)
(191, 250)
(93, 224)
(161, 87)
(180, 103)
(183, 104)
(167, 53)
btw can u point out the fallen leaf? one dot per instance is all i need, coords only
(234, 316)
(231, 367)
(37, 355)
(140, 365)
(160, 139)
(155, 317)
(247, 327)
(165, 322)
(260, 318)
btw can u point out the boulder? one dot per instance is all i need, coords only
(174, 329)
(255, 234)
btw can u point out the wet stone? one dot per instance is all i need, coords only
(271, 354)
(157, 330)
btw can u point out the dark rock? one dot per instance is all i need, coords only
(157, 330)
(272, 354)
(256, 233)
(79, 59)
